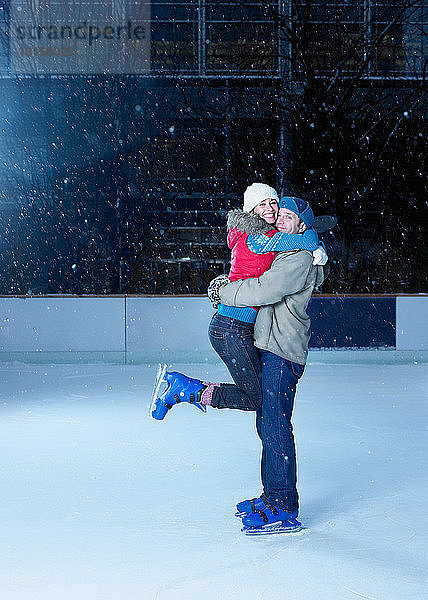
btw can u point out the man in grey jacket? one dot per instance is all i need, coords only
(282, 332)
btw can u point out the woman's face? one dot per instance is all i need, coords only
(267, 210)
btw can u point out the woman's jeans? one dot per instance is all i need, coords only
(265, 383)
(234, 342)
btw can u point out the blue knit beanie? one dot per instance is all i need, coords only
(300, 207)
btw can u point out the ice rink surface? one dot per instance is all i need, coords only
(99, 502)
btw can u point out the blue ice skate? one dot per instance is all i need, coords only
(270, 520)
(177, 388)
(250, 506)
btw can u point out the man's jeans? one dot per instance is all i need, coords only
(278, 468)
(265, 383)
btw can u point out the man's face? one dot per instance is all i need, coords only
(289, 222)
(267, 210)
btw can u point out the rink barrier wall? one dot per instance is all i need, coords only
(138, 329)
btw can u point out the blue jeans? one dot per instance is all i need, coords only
(234, 343)
(266, 384)
(278, 464)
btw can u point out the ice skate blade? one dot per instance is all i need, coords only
(158, 382)
(272, 529)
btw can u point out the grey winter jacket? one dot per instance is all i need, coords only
(283, 292)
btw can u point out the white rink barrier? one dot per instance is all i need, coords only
(126, 329)
(64, 325)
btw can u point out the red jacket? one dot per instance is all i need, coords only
(244, 263)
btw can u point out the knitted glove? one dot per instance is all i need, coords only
(214, 286)
(320, 256)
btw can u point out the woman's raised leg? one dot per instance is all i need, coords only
(234, 343)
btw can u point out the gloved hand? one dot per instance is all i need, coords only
(320, 256)
(214, 286)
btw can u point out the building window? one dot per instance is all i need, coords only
(401, 50)
(241, 37)
(174, 36)
(346, 32)
(4, 41)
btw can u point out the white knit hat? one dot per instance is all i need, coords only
(256, 193)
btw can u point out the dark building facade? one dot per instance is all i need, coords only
(120, 182)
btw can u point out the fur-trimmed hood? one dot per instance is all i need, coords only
(246, 222)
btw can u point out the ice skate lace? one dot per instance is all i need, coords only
(263, 515)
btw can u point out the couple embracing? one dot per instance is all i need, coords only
(261, 332)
